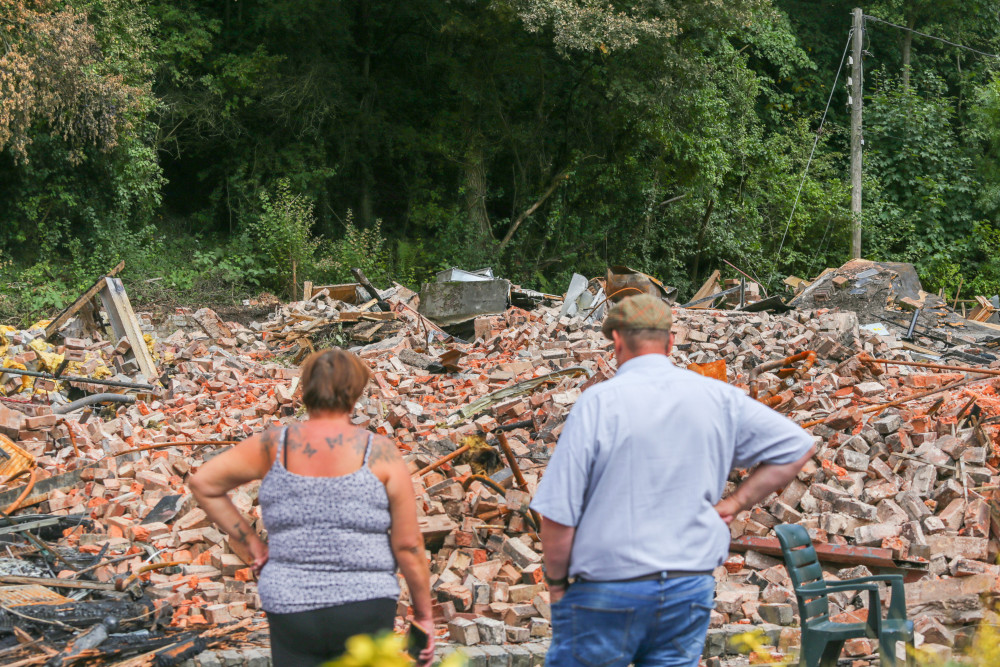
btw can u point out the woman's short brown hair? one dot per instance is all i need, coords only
(333, 380)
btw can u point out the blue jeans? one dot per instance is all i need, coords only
(614, 624)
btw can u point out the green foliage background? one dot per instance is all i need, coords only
(542, 137)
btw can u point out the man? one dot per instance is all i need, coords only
(631, 502)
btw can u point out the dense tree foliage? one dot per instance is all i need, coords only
(215, 145)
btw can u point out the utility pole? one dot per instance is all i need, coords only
(857, 72)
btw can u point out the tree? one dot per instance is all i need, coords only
(51, 72)
(76, 157)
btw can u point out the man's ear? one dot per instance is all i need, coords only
(618, 341)
(670, 342)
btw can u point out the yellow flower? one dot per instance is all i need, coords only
(386, 650)
(754, 644)
(367, 651)
(456, 659)
(985, 649)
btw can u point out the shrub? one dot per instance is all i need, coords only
(283, 231)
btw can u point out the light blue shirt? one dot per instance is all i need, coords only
(641, 462)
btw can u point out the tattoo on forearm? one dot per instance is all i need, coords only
(239, 532)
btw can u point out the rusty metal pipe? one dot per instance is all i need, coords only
(514, 468)
(511, 461)
(123, 584)
(14, 506)
(441, 461)
(72, 438)
(808, 356)
(940, 367)
(483, 479)
(900, 401)
(164, 445)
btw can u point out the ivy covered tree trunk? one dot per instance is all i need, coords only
(475, 186)
(911, 21)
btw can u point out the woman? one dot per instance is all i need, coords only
(340, 512)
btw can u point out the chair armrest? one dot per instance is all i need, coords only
(874, 599)
(897, 601)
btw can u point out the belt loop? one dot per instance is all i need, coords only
(664, 575)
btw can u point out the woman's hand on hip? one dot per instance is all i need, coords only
(259, 551)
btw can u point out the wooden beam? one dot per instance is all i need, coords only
(710, 287)
(71, 310)
(125, 324)
(55, 582)
(43, 487)
(359, 275)
(830, 553)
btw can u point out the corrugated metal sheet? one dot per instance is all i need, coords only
(17, 596)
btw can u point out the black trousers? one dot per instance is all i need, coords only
(310, 638)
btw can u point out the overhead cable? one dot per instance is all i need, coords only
(924, 34)
(805, 172)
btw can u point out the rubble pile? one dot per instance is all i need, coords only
(888, 295)
(901, 487)
(323, 315)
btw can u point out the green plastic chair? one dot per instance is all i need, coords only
(822, 639)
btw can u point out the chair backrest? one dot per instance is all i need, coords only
(804, 570)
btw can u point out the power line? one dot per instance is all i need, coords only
(940, 39)
(822, 245)
(805, 172)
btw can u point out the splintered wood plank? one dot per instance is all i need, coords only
(710, 287)
(125, 324)
(347, 292)
(71, 310)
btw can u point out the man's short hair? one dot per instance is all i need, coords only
(636, 338)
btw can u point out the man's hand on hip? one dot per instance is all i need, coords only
(556, 593)
(765, 479)
(728, 508)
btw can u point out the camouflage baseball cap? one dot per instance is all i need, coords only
(642, 311)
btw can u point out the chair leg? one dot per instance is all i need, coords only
(831, 653)
(812, 652)
(887, 650)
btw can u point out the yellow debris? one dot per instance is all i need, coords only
(149, 346)
(49, 362)
(27, 382)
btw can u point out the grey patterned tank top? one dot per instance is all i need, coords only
(328, 538)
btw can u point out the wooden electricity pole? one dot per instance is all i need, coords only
(856, 139)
